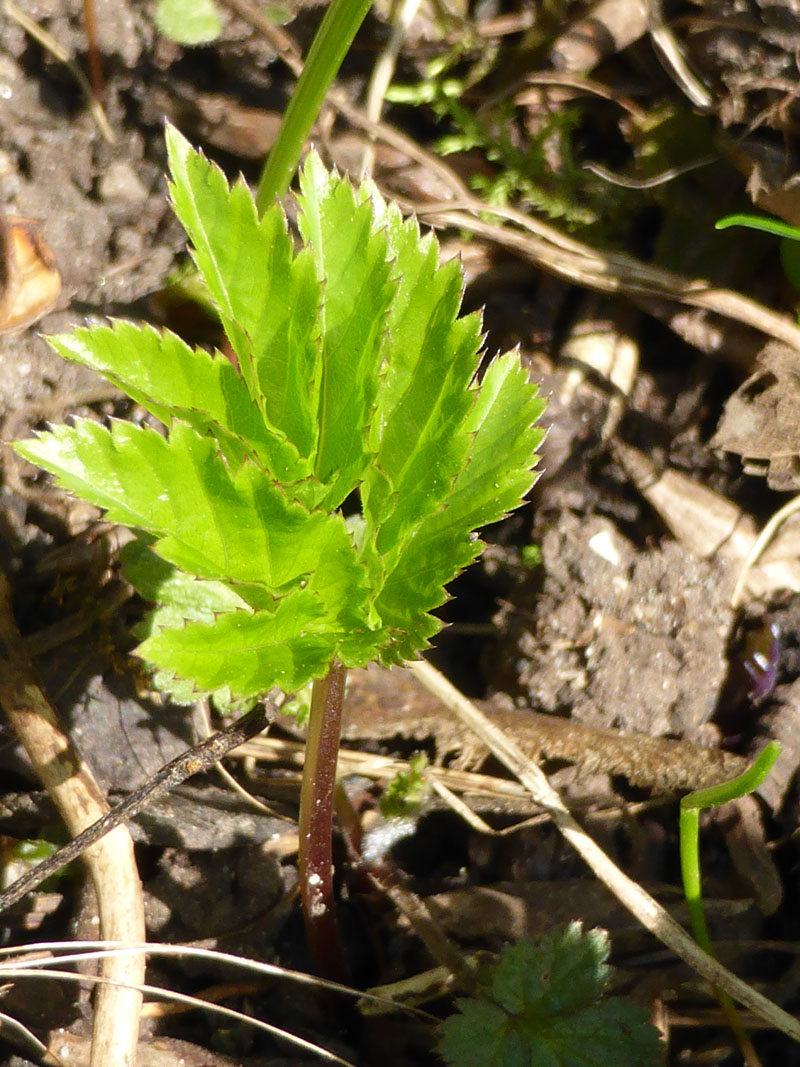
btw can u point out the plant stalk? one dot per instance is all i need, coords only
(315, 862)
(329, 47)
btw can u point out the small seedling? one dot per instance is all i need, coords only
(541, 1004)
(407, 791)
(691, 806)
(306, 506)
(789, 235)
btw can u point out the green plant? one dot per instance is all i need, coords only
(303, 512)
(407, 791)
(541, 1007)
(523, 164)
(329, 47)
(193, 22)
(789, 235)
(691, 806)
(189, 22)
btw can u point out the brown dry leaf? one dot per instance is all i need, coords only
(761, 422)
(29, 279)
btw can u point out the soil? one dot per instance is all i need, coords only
(607, 601)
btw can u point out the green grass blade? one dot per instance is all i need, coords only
(328, 49)
(691, 806)
(760, 222)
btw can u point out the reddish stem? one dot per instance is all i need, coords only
(93, 50)
(316, 822)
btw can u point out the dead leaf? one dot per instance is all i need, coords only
(30, 282)
(761, 421)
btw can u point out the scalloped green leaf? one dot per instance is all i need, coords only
(267, 297)
(542, 1005)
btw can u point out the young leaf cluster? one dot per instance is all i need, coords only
(542, 1007)
(523, 169)
(407, 791)
(310, 496)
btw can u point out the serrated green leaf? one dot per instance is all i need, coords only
(564, 972)
(189, 597)
(424, 288)
(169, 379)
(424, 399)
(238, 527)
(356, 373)
(503, 451)
(268, 299)
(493, 480)
(481, 1034)
(542, 1008)
(352, 268)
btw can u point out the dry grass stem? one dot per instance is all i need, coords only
(110, 861)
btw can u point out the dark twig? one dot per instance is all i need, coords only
(93, 50)
(194, 760)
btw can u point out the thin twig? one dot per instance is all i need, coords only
(194, 760)
(181, 998)
(674, 60)
(759, 546)
(567, 258)
(77, 951)
(92, 50)
(202, 712)
(611, 272)
(48, 42)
